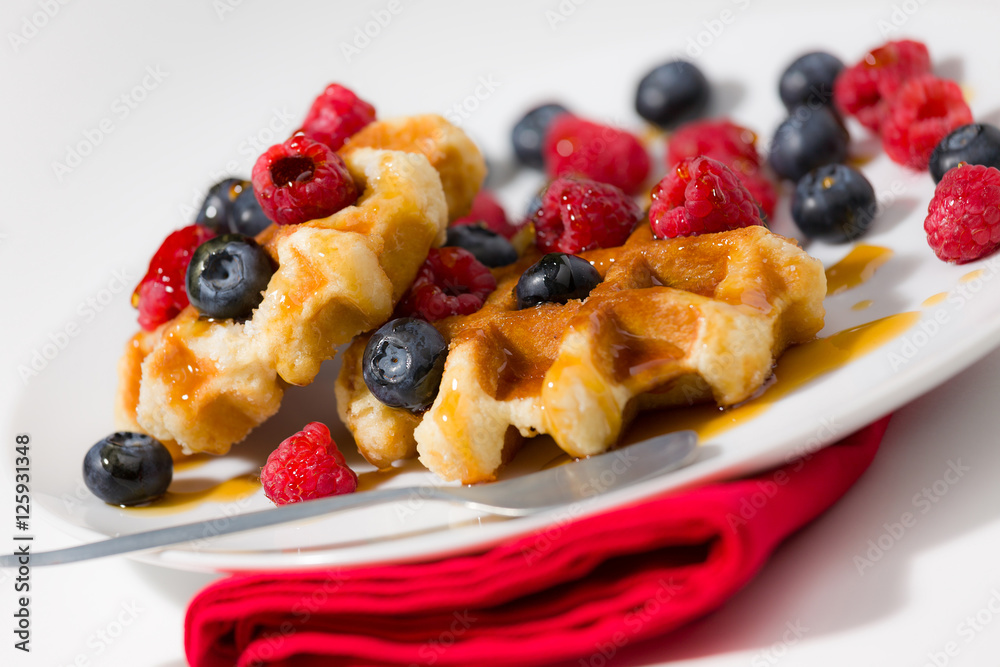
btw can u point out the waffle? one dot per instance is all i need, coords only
(674, 322)
(201, 385)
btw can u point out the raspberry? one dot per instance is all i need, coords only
(730, 144)
(574, 146)
(864, 89)
(578, 215)
(699, 196)
(305, 466)
(301, 180)
(451, 282)
(336, 115)
(161, 294)
(921, 114)
(485, 208)
(963, 218)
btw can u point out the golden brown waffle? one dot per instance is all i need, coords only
(674, 322)
(205, 384)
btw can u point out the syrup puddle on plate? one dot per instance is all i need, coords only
(857, 267)
(972, 275)
(934, 299)
(174, 502)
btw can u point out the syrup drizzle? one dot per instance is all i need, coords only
(934, 299)
(857, 267)
(173, 502)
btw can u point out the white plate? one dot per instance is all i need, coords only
(66, 408)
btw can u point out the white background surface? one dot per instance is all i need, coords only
(60, 241)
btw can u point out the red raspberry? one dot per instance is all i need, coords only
(963, 218)
(864, 89)
(485, 208)
(451, 282)
(924, 111)
(305, 466)
(301, 180)
(161, 293)
(336, 115)
(577, 215)
(574, 146)
(730, 144)
(700, 196)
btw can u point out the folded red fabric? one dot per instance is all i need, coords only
(566, 592)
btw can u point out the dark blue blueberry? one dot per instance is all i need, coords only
(215, 210)
(978, 143)
(834, 203)
(809, 80)
(672, 93)
(490, 248)
(556, 278)
(227, 276)
(128, 469)
(403, 363)
(808, 138)
(246, 216)
(529, 132)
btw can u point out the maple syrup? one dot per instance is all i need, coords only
(857, 267)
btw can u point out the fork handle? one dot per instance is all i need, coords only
(204, 530)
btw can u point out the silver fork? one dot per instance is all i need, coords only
(529, 494)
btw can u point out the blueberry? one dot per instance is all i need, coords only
(227, 276)
(529, 132)
(834, 203)
(246, 216)
(977, 143)
(672, 93)
(556, 278)
(215, 210)
(490, 248)
(127, 469)
(809, 80)
(808, 138)
(403, 363)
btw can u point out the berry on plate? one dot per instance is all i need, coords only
(574, 146)
(834, 203)
(671, 94)
(490, 248)
(128, 469)
(486, 209)
(450, 282)
(302, 180)
(227, 276)
(246, 216)
(336, 115)
(579, 214)
(809, 80)
(732, 145)
(216, 209)
(864, 89)
(976, 143)
(529, 132)
(556, 278)
(808, 138)
(403, 363)
(306, 466)
(963, 218)
(161, 293)
(700, 196)
(923, 112)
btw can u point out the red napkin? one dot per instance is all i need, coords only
(565, 592)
